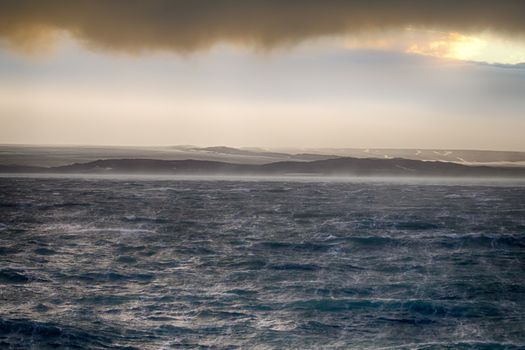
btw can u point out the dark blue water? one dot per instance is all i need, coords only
(148, 264)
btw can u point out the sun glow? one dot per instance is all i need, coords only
(451, 45)
(478, 48)
(482, 47)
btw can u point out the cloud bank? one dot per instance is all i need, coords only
(186, 26)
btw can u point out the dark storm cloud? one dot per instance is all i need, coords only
(189, 25)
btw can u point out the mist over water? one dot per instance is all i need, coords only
(150, 264)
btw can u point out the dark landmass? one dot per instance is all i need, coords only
(53, 156)
(343, 166)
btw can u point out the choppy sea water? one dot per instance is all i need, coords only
(136, 263)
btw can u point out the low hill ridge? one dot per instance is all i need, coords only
(343, 166)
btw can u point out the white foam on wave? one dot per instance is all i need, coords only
(76, 229)
(451, 345)
(275, 324)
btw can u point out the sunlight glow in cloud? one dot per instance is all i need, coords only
(479, 48)
(483, 47)
(451, 45)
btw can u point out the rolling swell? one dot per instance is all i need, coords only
(23, 333)
(140, 264)
(13, 276)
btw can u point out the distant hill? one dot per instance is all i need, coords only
(327, 167)
(52, 156)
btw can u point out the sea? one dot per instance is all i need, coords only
(130, 262)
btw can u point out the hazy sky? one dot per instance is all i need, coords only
(262, 73)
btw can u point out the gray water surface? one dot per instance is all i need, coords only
(135, 263)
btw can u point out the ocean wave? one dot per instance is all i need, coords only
(24, 333)
(272, 265)
(14, 276)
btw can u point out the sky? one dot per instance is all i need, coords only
(272, 74)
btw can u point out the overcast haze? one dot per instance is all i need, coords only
(260, 73)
